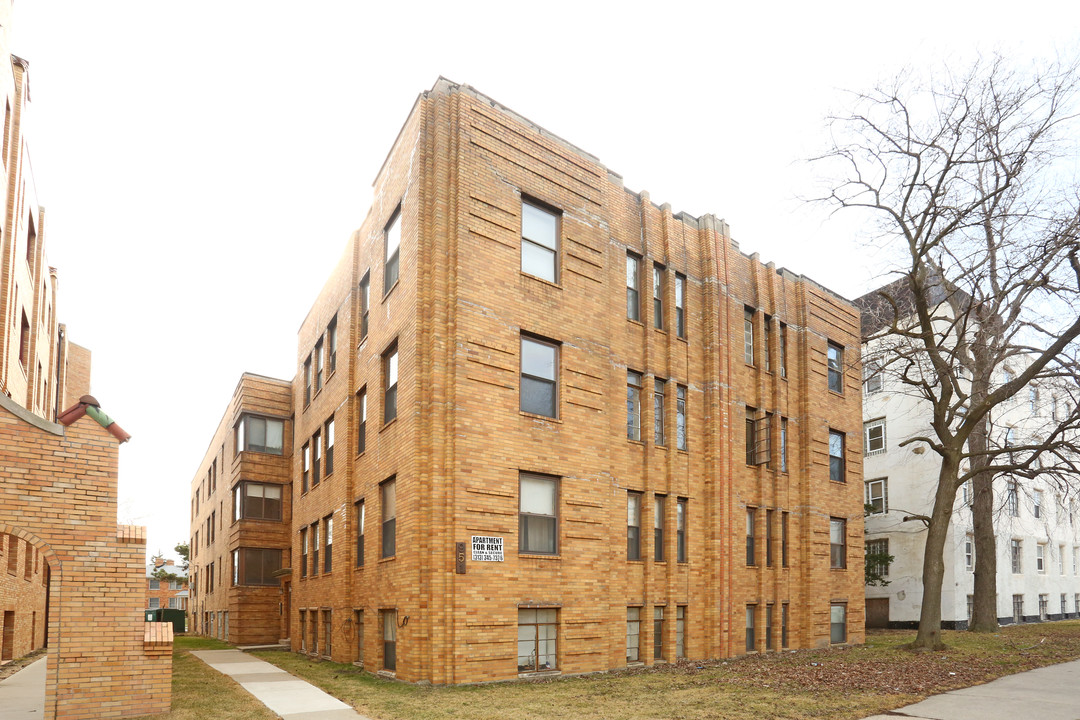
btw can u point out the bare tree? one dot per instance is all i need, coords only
(964, 180)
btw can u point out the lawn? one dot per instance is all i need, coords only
(839, 683)
(200, 692)
(836, 683)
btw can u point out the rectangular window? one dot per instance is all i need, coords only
(783, 625)
(305, 472)
(680, 530)
(388, 496)
(361, 421)
(750, 434)
(783, 445)
(766, 341)
(769, 627)
(259, 501)
(1044, 607)
(539, 377)
(1061, 559)
(316, 460)
(783, 350)
(257, 565)
(1018, 608)
(328, 431)
(390, 383)
(838, 623)
(877, 557)
(966, 495)
(680, 417)
(539, 242)
(969, 553)
(1012, 498)
(633, 525)
(307, 381)
(331, 346)
(877, 498)
(315, 548)
(751, 640)
(1040, 558)
(155, 584)
(680, 632)
(658, 412)
(313, 616)
(328, 539)
(537, 639)
(328, 633)
(24, 344)
(658, 296)
(748, 335)
(392, 238)
(389, 635)
(365, 305)
(836, 457)
(633, 635)
(633, 287)
(680, 305)
(769, 515)
(318, 354)
(1037, 502)
(260, 434)
(538, 519)
(837, 543)
(358, 616)
(751, 517)
(155, 603)
(659, 505)
(1063, 605)
(874, 437)
(783, 539)
(836, 368)
(633, 405)
(658, 633)
(1016, 556)
(970, 606)
(360, 533)
(303, 631)
(873, 378)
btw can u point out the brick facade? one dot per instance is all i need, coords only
(239, 612)
(164, 593)
(468, 291)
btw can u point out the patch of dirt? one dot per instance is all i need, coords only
(16, 665)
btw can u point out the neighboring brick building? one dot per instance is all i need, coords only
(71, 579)
(517, 370)
(241, 515)
(166, 592)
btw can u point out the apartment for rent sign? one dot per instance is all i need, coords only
(487, 548)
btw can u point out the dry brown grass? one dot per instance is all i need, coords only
(837, 683)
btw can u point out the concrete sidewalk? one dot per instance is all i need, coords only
(1049, 693)
(22, 696)
(288, 696)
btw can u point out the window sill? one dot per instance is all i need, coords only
(388, 423)
(388, 559)
(838, 482)
(538, 556)
(684, 451)
(538, 416)
(387, 674)
(635, 442)
(638, 561)
(839, 569)
(682, 338)
(555, 285)
(662, 331)
(632, 321)
(358, 663)
(358, 567)
(539, 674)
(836, 393)
(387, 293)
(660, 447)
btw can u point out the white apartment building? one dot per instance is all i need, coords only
(1038, 542)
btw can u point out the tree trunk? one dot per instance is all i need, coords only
(984, 611)
(929, 636)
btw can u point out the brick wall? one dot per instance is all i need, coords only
(459, 171)
(58, 493)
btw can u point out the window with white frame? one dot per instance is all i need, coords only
(877, 497)
(873, 378)
(1037, 502)
(539, 242)
(1012, 499)
(1040, 557)
(874, 436)
(969, 552)
(1016, 556)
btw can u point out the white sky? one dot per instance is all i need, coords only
(202, 163)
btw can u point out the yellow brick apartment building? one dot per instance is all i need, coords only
(541, 424)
